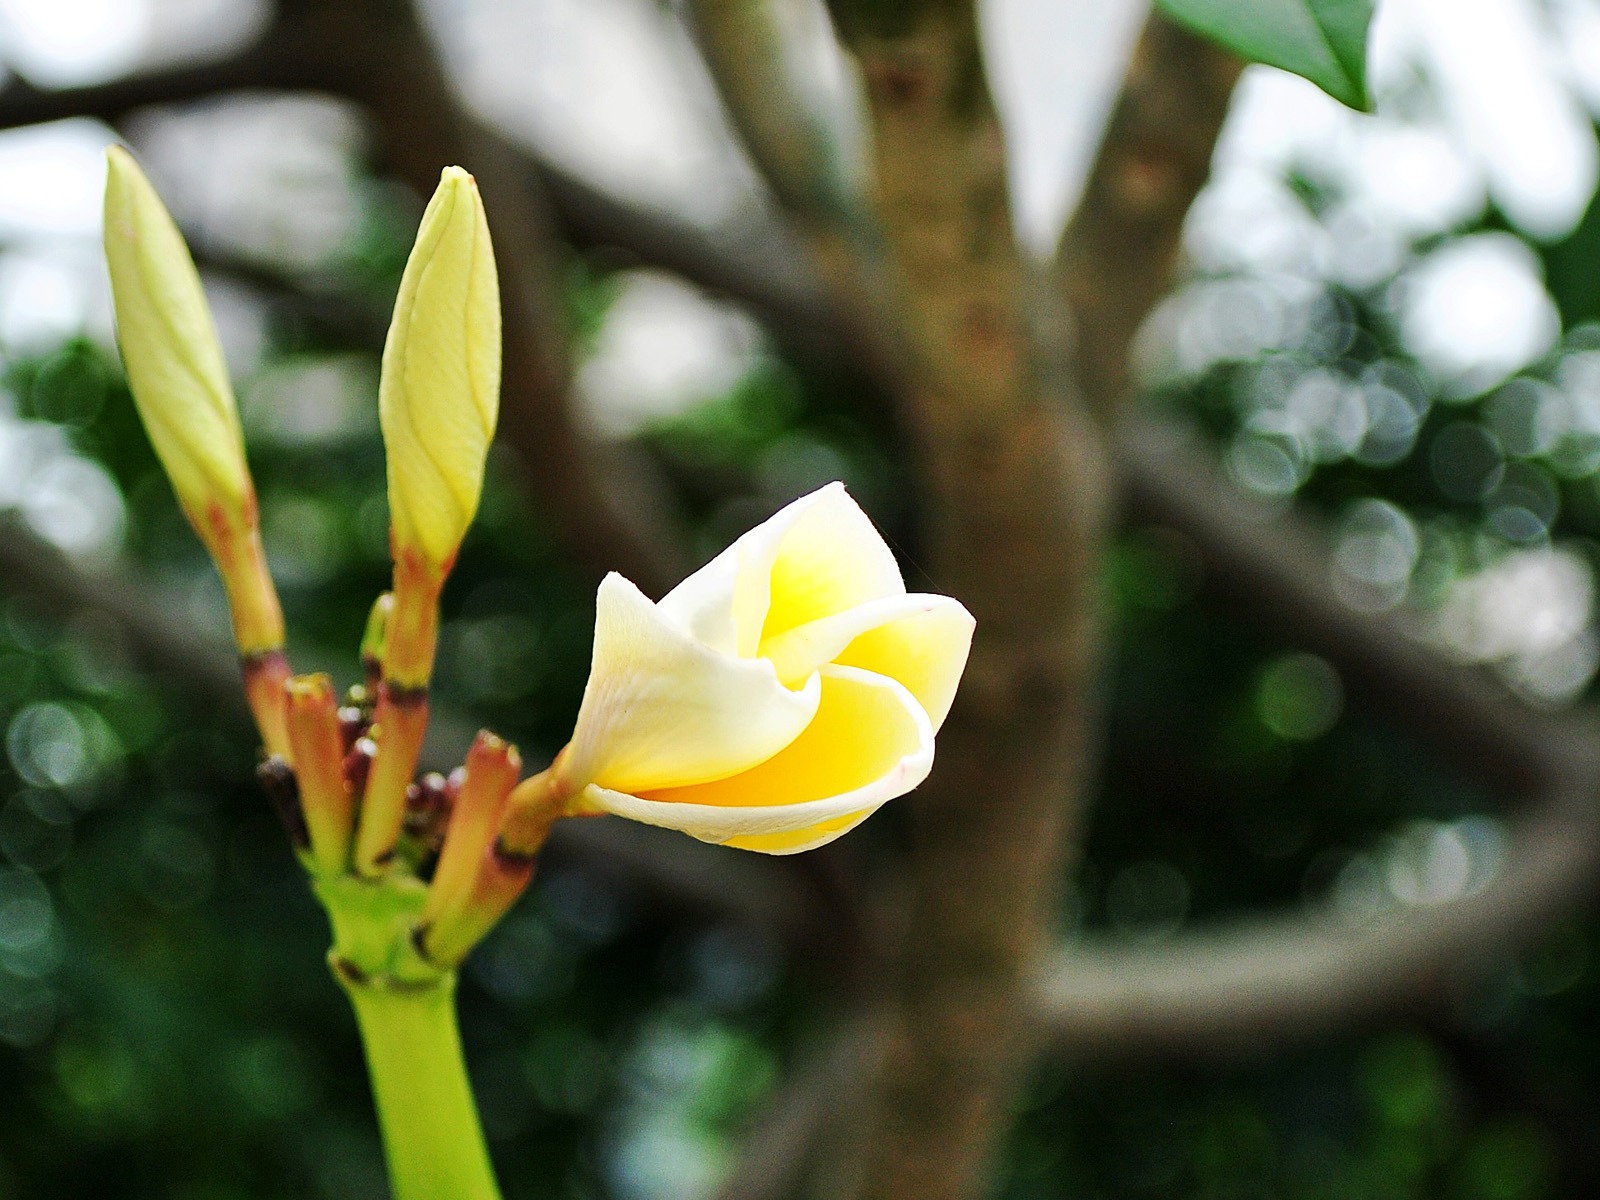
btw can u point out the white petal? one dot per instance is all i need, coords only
(870, 742)
(703, 602)
(662, 709)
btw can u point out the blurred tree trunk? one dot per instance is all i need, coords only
(1014, 480)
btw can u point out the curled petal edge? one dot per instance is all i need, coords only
(723, 823)
(920, 640)
(822, 538)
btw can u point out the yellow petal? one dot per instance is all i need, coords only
(724, 603)
(925, 650)
(870, 741)
(169, 346)
(439, 393)
(662, 709)
(919, 640)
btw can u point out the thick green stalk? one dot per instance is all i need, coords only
(431, 1135)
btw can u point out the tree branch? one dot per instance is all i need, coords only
(796, 153)
(1263, 983)
(289, 54)
(1254, 987)
(801, 159)
(1118, 254)
(756, 260)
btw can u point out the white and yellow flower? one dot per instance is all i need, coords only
(775, 698)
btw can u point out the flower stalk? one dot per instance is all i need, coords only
(432, 1138)
(405, 1011)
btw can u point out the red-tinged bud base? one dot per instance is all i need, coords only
(319, 763)
(234, 540)
(411, 627)
(265, 676)
(400, 720)
(504, 865)
(449, 928)
(500, 879)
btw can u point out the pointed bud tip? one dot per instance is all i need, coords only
(310, 690)
(129, 194)
(491, 745)
(118, 160)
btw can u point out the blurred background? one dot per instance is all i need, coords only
(1385, 327)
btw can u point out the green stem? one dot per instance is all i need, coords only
(431, 1136)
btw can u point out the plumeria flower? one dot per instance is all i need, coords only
(775, 698)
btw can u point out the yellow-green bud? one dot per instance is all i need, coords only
(170, 349)
(439, 394)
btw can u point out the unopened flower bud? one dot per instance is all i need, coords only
(169, 345)
(180, 385)
(439, 393)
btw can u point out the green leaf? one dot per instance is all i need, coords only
(1324, 41)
